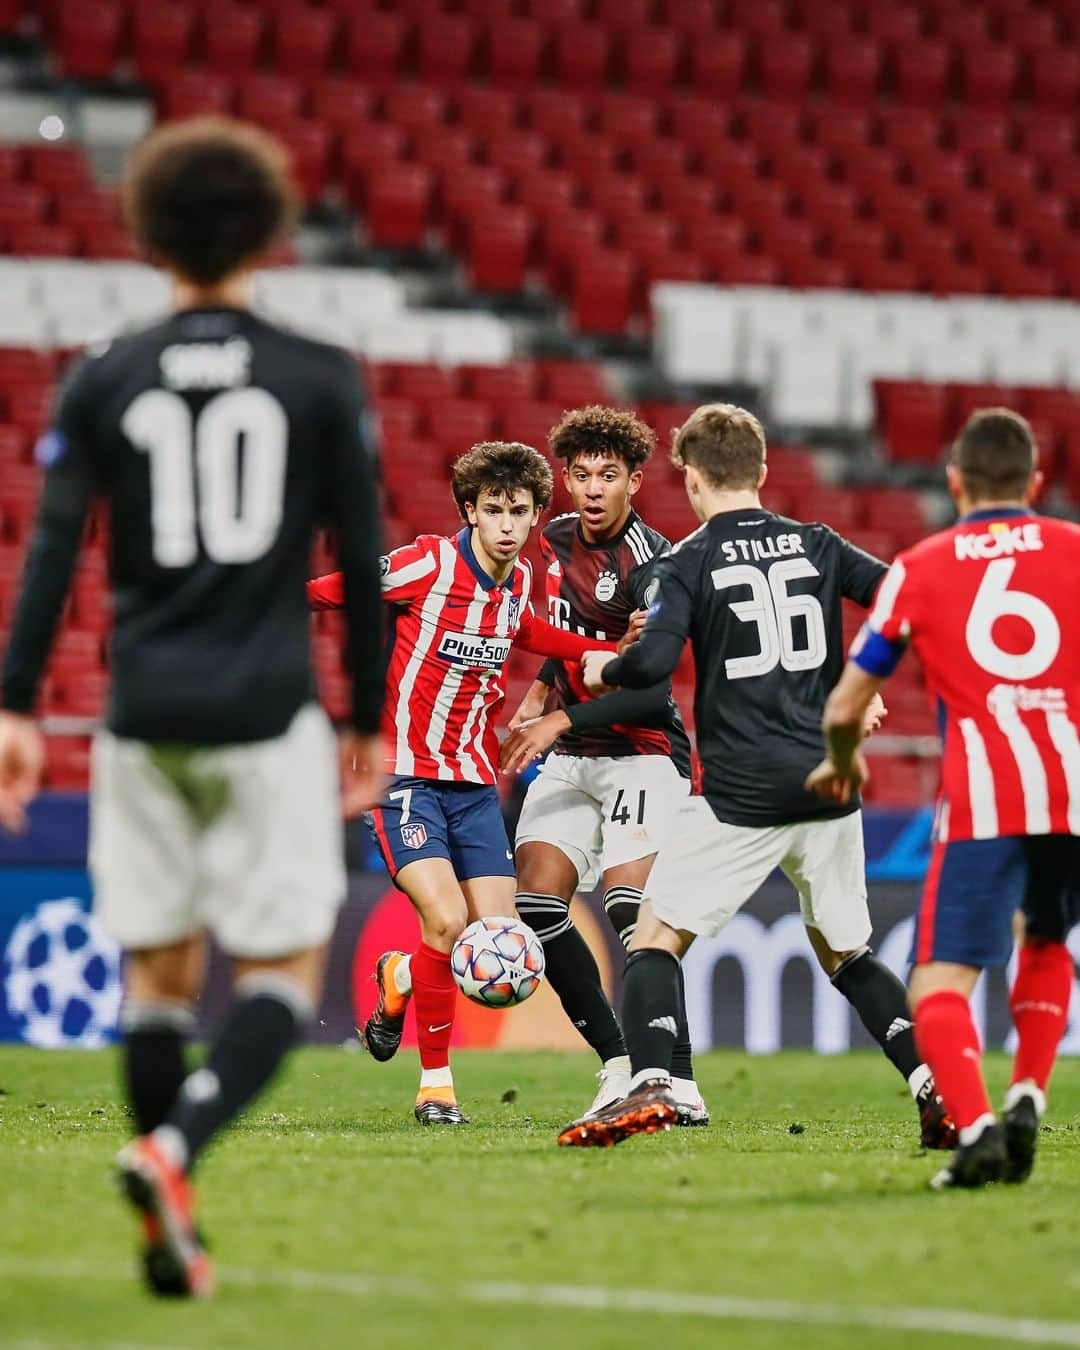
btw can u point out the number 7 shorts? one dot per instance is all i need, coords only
(602, 811)
(712, 868)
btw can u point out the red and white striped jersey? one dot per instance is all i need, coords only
(992, 607)
(453, 628)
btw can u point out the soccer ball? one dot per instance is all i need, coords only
(498, 962)
(60, 977)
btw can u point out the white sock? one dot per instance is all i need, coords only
(649, 1074)
(918, 1079)
(1027, 1087)
(436, 1078)
(617, 1064)
(173, 1144)
(686, 1090)
(970, 1133)
(403, 977)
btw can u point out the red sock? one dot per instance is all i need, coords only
(1040, 1009)
(435, 998)
(948, 1042)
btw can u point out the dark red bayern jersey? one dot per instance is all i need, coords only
(992, 606)
(592, 589)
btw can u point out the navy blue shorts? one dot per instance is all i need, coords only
(975, 886)
(462, 822)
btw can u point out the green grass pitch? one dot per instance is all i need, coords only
(337, 1221)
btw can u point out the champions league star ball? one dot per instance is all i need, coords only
(60, 977)
(498, 962)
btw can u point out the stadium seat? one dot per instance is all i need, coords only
(912, 419)
(718, 64)
(572, 382)
(233, 37)
(921, 70)
(270, 100)
(88, 38)
(651, 60)
(398, 203)
(377, 46)
(342, 103)
(162, 38)
(499, 243)
(515, 50)
(304, 41)
(582, 53)
(192, 93)
(1055, 79)
(853, 68)
(446, 49)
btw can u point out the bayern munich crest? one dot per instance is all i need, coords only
(414, 836)
(607, 583)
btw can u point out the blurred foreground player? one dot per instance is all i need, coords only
(599, 807)
(220, 443)
(992, 607)
(759, 596)
(459, 606)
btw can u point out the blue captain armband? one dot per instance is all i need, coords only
(876, 654)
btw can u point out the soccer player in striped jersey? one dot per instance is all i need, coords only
(598, 809)
(991, 608)
(459, 606)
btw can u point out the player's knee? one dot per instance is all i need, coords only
(443, 922)
(547, 915)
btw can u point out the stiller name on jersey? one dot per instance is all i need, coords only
(465, 649)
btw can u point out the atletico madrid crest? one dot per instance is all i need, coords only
(414, 836)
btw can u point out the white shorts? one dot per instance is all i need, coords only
(245, 840)
(601, 811)
(711, 869)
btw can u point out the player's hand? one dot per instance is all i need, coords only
(362, 772)
(875, 714)
(593, 665)
(531, 706)
(22, 759)
(833, 785)
(530, 740)
(633, 630)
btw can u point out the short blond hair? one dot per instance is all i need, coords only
(724, 443)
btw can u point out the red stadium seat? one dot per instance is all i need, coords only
(162, 33)
(1048, 138)
(309, 143)
(557, 114)
(421, 382)
(853, 70)
(528, 422)
(446, 49)
(582, 55)
(415, 108)
(447, 149)
(485, 110)
(979, 132)
(22, 204)
(468, 193)
(602, 291)
(42, 241)
(651, 61)
(270, 100)
(786, 65)
(191, 93)
(499, 244)
(572, 382)
(342, 103)
(59, 168)
(1055, 79)
(556, 12)
(233, 38)
(989, 74)
(921, 72)
(457, 424)
(377, 46)
(749, 270)
(515, 50)
(718, 64)
(912, 419)
(304, 41)
(962, 27)
(517, 152)
(513, 380)
(371, 147)
(88, 38)
(88, 210)
(398, 205)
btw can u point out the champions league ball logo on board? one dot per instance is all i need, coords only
(61, 978)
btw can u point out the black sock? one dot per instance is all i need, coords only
(682, 1056)
(881, 1002)
(621, 905)
(652, 1008)
(258, 1033)
(572, 972)
(154, 1063)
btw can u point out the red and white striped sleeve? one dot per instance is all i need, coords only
(406, 573)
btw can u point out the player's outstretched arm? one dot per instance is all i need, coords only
(544, 639)
(532, 706)
(326, 592)
(528, 740)
(362, 772)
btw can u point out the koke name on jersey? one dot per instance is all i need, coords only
(464, 649)
(1001, 540)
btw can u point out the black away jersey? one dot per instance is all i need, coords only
(220, 443)
(759, 596)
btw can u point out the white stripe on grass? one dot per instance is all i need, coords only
(598, 1298)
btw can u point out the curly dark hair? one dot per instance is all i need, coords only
(503, 467)
(597, 430)
(206, 196)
